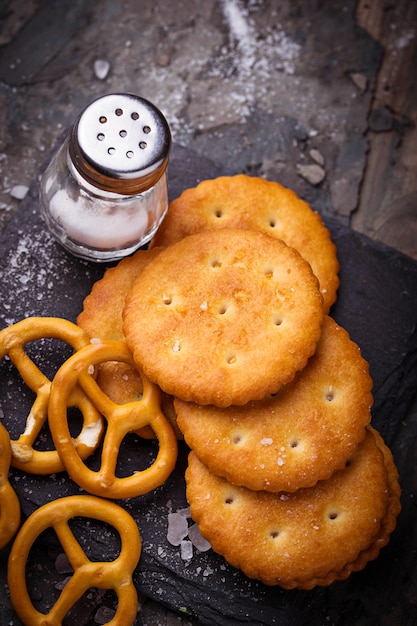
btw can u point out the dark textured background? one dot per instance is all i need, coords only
(268, 88)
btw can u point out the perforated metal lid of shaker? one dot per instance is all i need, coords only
(121, 143)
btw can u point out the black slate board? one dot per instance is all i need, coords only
(377, 304)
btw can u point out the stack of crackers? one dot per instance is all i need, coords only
(228, 313)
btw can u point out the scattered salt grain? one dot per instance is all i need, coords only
(197, 539)
(274, 48)
(208, 571)
(266, 441)
(177, 528)
(101, 68)
(186, 550)
(19, 192)
(242, 31)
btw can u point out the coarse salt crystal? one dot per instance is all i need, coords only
(208, 571)
(18, 192)
(177, 528)
(101, 68)
(197, 539)
(186, 550)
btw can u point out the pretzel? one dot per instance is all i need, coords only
(13, 340)
(115, 575)
(9, 502)
(121, 420)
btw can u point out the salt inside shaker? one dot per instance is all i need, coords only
(104, 193)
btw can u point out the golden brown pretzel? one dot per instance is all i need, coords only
(116, 575)
(13, 340)
(121, 420)
(9, 502)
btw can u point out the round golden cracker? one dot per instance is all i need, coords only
(224, 316)
(101, 318)
(296, 437)
(243, 201)
(389, 520)
(300, 539)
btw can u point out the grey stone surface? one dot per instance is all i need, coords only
(255, 85)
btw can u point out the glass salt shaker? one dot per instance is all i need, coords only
(104, 193)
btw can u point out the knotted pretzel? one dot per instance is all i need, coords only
(122, 419)
(13, 340)
(115, 575)
(9, 502)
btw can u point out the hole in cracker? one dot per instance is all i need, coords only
(269, 272)
(278, 320)
(274, 534)
(215, 263)
(237, 439)
(166, 299)
(332, 515)
(272, 222)
(330, 394)
(222, 309)
(218, 212)
(231, 359)
(229, 499)
(294, 443)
